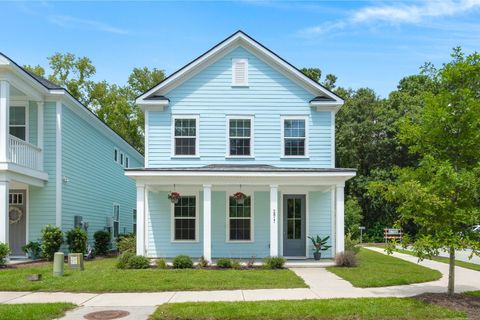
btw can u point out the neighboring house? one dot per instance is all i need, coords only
(239, 119)
(59, 163)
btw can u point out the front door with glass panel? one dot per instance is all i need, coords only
(294, 226)
(17, 217)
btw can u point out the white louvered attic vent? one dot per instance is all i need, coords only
(239, 72)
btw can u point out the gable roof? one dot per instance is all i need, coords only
(323, 95)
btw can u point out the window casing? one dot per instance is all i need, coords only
(116, 220)
(240, 137)
(18, 122)
(185, 220)
(240, 220)
(294, 137)
(185, 136)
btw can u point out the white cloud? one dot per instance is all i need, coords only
(397, 14)
(78, 23)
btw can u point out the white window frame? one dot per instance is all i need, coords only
(172, 220)
(116, 154)
(127, 162)
(252, 219)
(234, 62)
(196, 117)
(113, 219)
(252, 135)
(282, 128)
(22, 104)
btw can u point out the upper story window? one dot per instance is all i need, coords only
(18, 122)
(239, 72)
(240, 141)
(185, 136)
(294, 136)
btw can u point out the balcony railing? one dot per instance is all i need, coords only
(24, 153)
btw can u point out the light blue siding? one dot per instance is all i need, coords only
(95, 180)
(42, 199)
(210, 95)
(320, 219)
(32, 123)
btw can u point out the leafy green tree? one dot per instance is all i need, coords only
(353, 216)
(441, 195)
(315, 74)
(38, 70)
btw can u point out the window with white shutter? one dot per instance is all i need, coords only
(239, 72)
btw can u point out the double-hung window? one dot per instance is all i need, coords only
(240, 219)
(185, 219)
(185, 131)
(18, 122)
(240, 142)
(116, 220)
(294, 132)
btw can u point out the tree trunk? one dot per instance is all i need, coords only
(451, 272)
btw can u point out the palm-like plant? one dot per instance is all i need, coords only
(319, 244)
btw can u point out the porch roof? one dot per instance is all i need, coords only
(242, 168)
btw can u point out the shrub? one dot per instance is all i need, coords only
(127, 243)
(351, 244)
(33, 249)
(124, 259)
(4, 251)
(52, 239)
(236, 265)
(202, 262)
(182, 262)
(224, 263)
(138, 262)
(274, 262)
(346, 259)
(102, 242)
(161, 264)
(77, 240)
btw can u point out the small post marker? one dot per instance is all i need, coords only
(58, 264)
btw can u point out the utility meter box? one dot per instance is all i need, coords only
(75, 261)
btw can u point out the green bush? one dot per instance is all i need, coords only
(138, 262)
(124, 259)
(52, 239)
(224, 263)
(33, 249)
(162, 264)
(236, 265)
(127, 243)
(182, 262)
(351, 244)
(274, 262)
(4, 251)
(102, 242)
(77, 240)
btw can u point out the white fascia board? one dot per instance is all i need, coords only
(31, 88)
(152, 105)
(193, 173)
(333, 107)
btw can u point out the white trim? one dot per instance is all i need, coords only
(332, 218)
(4, 120)
(40, 130)
(252, 135)
(274, 220)
(197, 218)
(146, 222)
(237, 39)
(141, 231)
(340, 218)
(4, 208)
(234, 73)
(332, 139)
(147, 138)
(282, 134)
(27, 215)
(207, 222)
(196, 117)
(228, 218)
(58, 165)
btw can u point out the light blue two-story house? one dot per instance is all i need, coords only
(239, 119)
(59, 163)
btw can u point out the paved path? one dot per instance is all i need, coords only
(323, 284)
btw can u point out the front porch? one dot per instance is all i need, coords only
(283, 207)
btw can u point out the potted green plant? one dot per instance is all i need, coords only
(33, 249)
(319, 245)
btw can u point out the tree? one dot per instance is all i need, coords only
(442, 194)
(315, 74)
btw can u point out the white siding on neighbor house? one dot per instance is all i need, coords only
(268, 96)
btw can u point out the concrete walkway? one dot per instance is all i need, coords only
(323, 285)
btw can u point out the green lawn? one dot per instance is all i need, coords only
(458, 263)
(102, 276)
(380, 270)
(365, 308)
(473, 293)
(34, 311)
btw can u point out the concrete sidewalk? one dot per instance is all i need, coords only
(322, 285)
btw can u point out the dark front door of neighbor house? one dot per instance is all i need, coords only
(17, 215)
(294, 226)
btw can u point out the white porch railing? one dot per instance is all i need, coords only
(24, 153)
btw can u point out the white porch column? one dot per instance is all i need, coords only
(273, 220)
(40, 131)
(4, 120)
(207, 222)
(340, 218)
(141, 220)
(4, 223)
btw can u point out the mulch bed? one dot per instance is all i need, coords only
(459, 302)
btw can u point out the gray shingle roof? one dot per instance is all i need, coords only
(46, 83)
(327, 99)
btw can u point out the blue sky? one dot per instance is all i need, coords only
(365, 43)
